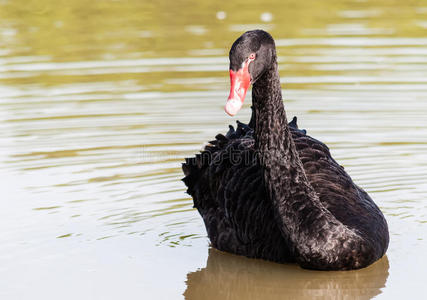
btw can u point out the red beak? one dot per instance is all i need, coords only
(240, 82)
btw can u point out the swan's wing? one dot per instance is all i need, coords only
(329, 179)
(349, 203)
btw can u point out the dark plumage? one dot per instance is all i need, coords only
(267, 190)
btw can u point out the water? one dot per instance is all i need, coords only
(101, 101)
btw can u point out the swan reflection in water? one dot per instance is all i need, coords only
(227, 276)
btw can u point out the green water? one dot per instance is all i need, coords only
(100, 101)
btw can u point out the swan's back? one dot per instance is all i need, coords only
(225, 181)
(227, 186)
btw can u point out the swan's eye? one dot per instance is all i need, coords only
(252, 56)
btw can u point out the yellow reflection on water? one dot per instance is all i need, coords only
(228, 277)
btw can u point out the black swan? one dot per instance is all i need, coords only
(268, 190)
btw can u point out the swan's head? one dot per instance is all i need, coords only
(250, 56)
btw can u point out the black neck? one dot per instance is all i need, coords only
(269, 112)
(294, 200)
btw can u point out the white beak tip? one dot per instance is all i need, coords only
(233, 106)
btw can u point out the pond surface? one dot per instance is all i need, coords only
(100, 101)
